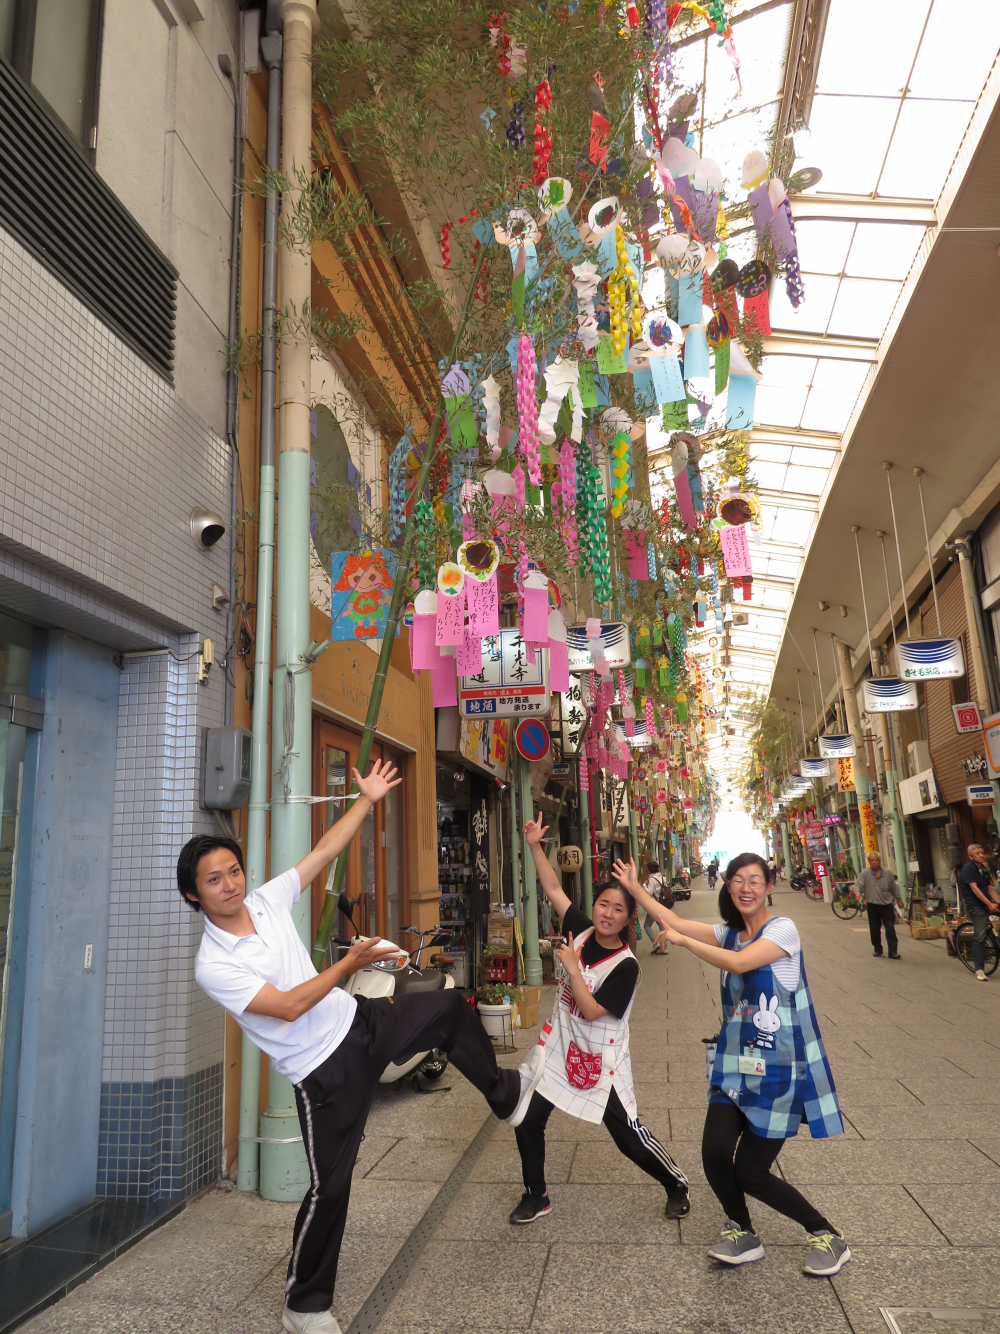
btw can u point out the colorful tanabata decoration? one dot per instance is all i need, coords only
(361, 592)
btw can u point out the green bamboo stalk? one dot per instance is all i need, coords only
(399, 589)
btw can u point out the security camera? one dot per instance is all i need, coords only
(206, 528)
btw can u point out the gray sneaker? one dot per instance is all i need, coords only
(736, 1247)
(828, 1253)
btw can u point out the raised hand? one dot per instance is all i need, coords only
(381, 777)
(534, 832)
(626, 875)
(569, 955)
(366, 951)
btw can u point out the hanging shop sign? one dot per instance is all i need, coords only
(510, 683)
(888, 694)
(613, 643)
(813, 768)
(980, 794)
(991, 741)
(486, 742)
(560, 770)
(869, 830)
(919, 793)
(569, 857)
(845, 775)
(929, 659)
(966, 717)
(571, 717)
(831, 819)
(837, 747)
(531, 737)
(973, 765)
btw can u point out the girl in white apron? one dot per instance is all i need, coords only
(587, 1068)
(769, 1072)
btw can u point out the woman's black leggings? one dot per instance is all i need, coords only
(738, 1163)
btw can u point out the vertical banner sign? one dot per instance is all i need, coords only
(991, 742)
(845, 775)
(479, 846)
(868, 826)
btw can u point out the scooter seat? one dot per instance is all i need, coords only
(409, 983)
(438, 959)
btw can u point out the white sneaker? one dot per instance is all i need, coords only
(310, 1322)
(531, 1076)
(981, 976)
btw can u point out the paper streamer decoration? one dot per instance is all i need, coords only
(586, 280)
(635, 553)
(536, 608)
(444, 693)
(491, 402)
(558, 653)
(696, 365)
(678, 465)
(450, 627)
(567, 484)
(423, 652)
(560, 378)
(482, 599)
(740, 403)
(735, 552)
(527, 409)
(621, 471)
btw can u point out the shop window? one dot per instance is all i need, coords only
(54, 45)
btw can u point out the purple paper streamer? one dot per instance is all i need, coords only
(794, 288)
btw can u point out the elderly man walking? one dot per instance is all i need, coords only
(980, 895)
(878, 884)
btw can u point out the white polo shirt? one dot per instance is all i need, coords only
(232, 969)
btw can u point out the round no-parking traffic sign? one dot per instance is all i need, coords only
(531, 737)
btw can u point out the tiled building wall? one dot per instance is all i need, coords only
(101, 463)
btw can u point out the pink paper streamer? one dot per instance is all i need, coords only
(536, 615)
(684, 501)
(444, 693)
(527, 409)
(450, 628)
(483, 603)
(558, 665)
(423, 652)
(635, 551)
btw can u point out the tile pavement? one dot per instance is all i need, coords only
(915, 1183)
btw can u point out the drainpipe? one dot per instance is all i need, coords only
(861, 787)
(283, 1171)
(247, 1174)
(898, 837)
(232, 375)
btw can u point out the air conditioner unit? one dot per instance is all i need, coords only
(918, 755)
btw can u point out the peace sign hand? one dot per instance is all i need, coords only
(569, 955)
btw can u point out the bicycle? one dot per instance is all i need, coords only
(962, 938)
(847, 901)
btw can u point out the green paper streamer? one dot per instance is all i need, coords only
(721, 367)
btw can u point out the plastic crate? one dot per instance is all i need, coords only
(501, 968)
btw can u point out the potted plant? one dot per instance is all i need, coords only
(494, 1002)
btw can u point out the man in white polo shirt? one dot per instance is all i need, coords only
(332, 1046)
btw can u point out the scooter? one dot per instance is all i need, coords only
(400, 976)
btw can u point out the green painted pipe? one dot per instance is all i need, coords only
(587, 870)
(532, 961)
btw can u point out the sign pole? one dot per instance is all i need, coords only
(532, 961)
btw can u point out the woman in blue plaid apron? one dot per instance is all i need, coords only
(769, 1072)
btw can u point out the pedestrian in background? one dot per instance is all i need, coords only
(980, 895)
(878, 884)
(658, 887)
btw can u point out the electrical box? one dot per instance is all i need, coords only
(225, 773)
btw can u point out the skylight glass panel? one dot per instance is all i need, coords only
(863, 307)
(784, 371)
(834, 374)
(814, 458)
(849, 139)
(923, 148)
(806, 481)
(813, 314)
(883, 249)
(827, 411)
(764, 452)
(775, 597)
(779, 405)
(869, 48)
(823, 246)
(771, 476)
(792, 526)
(958, 49)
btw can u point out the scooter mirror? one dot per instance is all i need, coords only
(346, 907)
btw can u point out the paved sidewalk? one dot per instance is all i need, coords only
(915, 1184)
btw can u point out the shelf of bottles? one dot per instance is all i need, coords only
(455, 886)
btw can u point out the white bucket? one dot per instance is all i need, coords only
(495, 1019)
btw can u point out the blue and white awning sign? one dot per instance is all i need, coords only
(810, 767)
(888, 694)
(837, 747)
(613, 643)
(930, 659)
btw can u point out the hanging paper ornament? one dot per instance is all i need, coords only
(621, 470)
(586, 280)
(642, 640)
(515, 130)
(662, 672)
(543, 133)
(398, 463)
(567, 483)
(651, 561)
(600, 126)
(426, 564)
(527, 408)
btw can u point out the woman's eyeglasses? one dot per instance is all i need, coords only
(754, 882)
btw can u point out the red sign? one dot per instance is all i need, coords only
(967, 717)
(819, 870)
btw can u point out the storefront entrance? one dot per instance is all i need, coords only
(375, 866)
